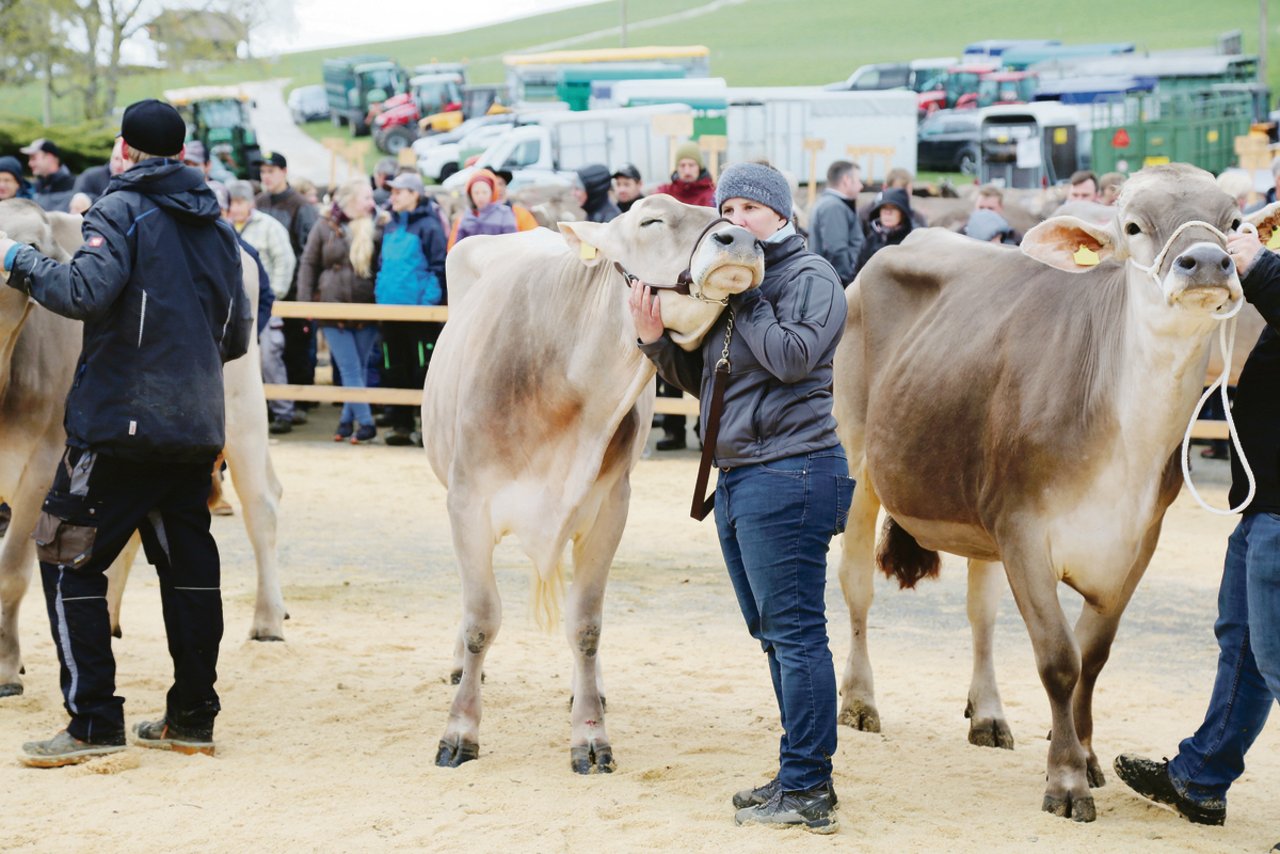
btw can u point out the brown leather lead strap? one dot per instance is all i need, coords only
(702, 503)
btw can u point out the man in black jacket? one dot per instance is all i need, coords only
(159, 286)
(1247, 685)
(54, 183)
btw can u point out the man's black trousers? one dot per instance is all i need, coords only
(93, 508)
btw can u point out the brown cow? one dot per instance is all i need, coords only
(1019, 407)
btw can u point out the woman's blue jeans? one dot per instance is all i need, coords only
(350, 348)
(776, 521)
(1248, 680)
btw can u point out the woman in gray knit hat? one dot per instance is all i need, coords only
(784, 487)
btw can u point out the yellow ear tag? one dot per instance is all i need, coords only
(1274, 240)
(586, 251)
(1085, 257)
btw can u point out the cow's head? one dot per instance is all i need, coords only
(24, 221)
(655, 241)
(1169, 225)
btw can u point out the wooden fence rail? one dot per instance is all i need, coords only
(439, 314)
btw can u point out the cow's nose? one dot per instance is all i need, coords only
(1204, 262)
(725, 238)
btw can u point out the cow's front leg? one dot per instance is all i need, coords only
(481, 617)
(857, 581)
(589, 748)
(1035, 589)
(259, 490)
(987, 724)
(17, 557)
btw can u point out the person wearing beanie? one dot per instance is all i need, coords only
(891, 222)
(784, 488)
(690, 182)
(594, 199)
(159, 286)
(12, 184)
(484, 215)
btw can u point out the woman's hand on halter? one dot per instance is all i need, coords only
(1243, 247)
(646, 312)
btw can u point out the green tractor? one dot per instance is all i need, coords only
(218, 116)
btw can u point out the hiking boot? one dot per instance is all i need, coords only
(672, 442)
(280, 426)
(164, 736)
(65, 749)
(762, 794)
(399, 438)
(813, 810)
(344, 431)
(365, 433)
(1151, 780)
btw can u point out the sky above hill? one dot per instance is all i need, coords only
(327, 23)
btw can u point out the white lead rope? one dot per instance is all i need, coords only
(1226, 342)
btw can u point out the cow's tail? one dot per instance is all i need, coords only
(901, 557)
(548, 593)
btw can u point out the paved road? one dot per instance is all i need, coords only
(277, 132)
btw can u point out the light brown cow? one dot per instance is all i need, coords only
(38, 352)
(536, 408)
(1018, 407)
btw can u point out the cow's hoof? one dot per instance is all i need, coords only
(1065, 806)
(990, 732)
(453, 751)
(861, 717)
(1096, 778)
(117, 633)
(11, 689)
(592, 758)
(455, 678)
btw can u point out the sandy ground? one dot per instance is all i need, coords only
(326, 741)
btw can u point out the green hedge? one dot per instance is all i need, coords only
(83, 145)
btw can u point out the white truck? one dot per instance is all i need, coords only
(545, 147)
(772, 124)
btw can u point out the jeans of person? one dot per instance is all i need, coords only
(271, 344)
(350, 348)
(1248, 679)
(776, 521)
(89, 514)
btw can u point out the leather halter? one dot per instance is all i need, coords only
(685, 280)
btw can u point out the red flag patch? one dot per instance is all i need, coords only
(95, 241)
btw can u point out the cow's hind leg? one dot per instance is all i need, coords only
(1035, 589)
(17, 557)
(857, 581)
(589, 748)
(987, 724)
(473, 543)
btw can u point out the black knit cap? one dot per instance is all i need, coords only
(153, 127)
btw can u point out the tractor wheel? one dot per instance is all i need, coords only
(397, 139)
(967, 162)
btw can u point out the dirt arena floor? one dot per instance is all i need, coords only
(326, 741)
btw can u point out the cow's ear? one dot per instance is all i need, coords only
(1069, 243)
(1267, 221)
(585, 238)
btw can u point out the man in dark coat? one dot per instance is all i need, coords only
(596, 182)
(54, 183)
(159, 286)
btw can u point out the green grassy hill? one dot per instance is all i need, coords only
(762, 42)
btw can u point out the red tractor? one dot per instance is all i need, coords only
(395, 126)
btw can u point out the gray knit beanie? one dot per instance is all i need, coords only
(757, 182)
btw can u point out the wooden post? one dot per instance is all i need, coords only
(714, 146)
(813, 146)
(675, 127)
(406, 157)
(356, 151)
(857, 152)
(334, 145)
(1254, 155)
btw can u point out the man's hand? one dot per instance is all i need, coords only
(646, 313)
(1243, 248)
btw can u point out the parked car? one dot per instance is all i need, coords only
(439, 161)
(949, 141)
(308, 104)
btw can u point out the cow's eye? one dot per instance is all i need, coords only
(1133, 228)
(648, 222)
